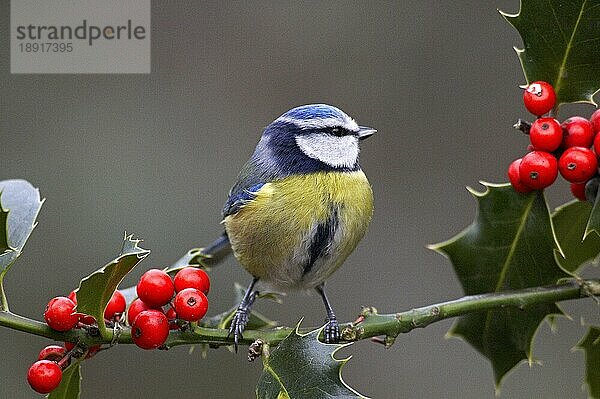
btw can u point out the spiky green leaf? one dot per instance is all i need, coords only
(593, 224)
(590, 344)
(510, 245)
(194, 257)
(561, 45)
(570, 221)
(4, 246)
(70, 384)
(20, 204)
(302, 367)
(95, 290)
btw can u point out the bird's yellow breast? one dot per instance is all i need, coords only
(270, 235)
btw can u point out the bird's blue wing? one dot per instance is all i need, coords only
(260, 169)
(239, 196)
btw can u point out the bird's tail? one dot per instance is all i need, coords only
(217, 250)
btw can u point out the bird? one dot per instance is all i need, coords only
(299, 207)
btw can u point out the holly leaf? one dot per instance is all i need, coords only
(570, 221)
(510, 245)
(590, 344)
(95, 290)
(4, 229)
(193, 257)
(593, 224)
(20, 204)
(302, 367)
(70, 384)
(211, 255)
(561, 45)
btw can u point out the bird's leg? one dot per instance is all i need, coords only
(242, 314)
(332, 328)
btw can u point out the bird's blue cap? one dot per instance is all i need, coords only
(316, 111)
(322, 116)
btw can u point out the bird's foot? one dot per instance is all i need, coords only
(238, 324)
(332, 331)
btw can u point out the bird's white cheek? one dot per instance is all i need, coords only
(334, 151)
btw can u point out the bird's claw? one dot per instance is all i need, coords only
(238, 324)
(332, 331)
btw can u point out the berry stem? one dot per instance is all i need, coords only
(523, 126)
(64, 362)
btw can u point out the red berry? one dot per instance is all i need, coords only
(578, 132)
(135, 308)
(190, 304)
(577, 164)
(578, 191)
(171, 314)
(87, 319)
(150, 329)
(83, 318)
(597, 143)
(172, 317)
(52, 352)
(546, 134)
(595, 120)
(60, 314)
(73, 296)
(538, 169)
(116, 305)
(515, 179)
(192, 277)
(539, 98)
(44, 376)
(155, 288)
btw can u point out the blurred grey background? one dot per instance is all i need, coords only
(155, 155)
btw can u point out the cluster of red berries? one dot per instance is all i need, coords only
(45, 374)
(556, 147)
(60, 315)
(163, 304)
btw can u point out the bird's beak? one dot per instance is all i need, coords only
(365, 132)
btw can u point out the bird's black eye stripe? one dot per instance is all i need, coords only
(338, 131)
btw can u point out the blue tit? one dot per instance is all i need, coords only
(300, 206)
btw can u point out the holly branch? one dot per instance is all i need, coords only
(369, 323)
